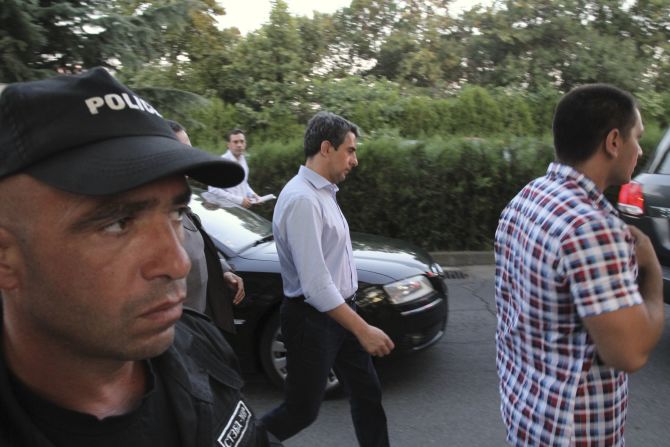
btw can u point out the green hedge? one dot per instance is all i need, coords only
(441, 193)
(376, 107)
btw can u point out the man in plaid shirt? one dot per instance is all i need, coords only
(578, 292)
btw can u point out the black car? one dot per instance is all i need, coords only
(645, 203)
(401, 289)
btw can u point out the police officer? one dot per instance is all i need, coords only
(95, 347)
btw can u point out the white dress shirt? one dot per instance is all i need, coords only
(313, 242)
(235, 194)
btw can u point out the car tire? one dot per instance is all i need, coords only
(273, 357)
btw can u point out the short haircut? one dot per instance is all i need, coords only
(326, 126)
(234, 132)
(584, 117)
(175, 126)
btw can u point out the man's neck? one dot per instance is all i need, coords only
(597, 170)
(314, 164)
(100, 388)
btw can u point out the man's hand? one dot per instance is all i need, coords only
(376, 342)
(251, 200)
(624, 338)
(236, 284)
(647, 261)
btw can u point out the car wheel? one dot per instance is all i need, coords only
(273, 357)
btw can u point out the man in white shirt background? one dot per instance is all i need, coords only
(242, 194)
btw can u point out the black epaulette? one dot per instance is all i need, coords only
(195, 313)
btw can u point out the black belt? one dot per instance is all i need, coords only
(301, 298)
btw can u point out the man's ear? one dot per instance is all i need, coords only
(613, 143)
(325, 146)
(10, 258)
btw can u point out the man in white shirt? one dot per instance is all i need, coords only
(319, 323)
(242, 194)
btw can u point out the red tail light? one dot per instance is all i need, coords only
(631, 199)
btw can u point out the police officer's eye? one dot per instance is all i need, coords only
(117, 226)
(178, 214)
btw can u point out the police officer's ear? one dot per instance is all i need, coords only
(10, 255)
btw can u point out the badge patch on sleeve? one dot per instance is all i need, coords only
(237, 425)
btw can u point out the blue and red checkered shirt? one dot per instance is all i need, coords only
(562, 254)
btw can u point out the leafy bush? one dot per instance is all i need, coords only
(209, 125)
(271, 165)
(476, 113)
(418, 117)
(441, 193)
(517, 118)
(434, 171)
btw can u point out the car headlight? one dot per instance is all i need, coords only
(369, 296)
(409, 289)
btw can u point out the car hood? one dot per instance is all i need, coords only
(378, 259)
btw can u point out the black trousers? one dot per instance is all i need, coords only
(315, 343)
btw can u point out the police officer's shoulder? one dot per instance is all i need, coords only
(197, 321)
(203, 344)
(201, 326)
(195, 314)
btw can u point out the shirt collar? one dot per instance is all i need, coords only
(232, 156)
(316, 179)
(568, 173)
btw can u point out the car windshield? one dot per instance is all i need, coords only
(662, 156)
(235, 227)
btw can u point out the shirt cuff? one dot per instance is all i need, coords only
(325, 299)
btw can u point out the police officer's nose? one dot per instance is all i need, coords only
(165, 253)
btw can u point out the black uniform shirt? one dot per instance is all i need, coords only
(152, 423)
(197, 379)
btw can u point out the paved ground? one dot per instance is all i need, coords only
(447, 395)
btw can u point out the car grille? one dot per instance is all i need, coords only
(415, 341)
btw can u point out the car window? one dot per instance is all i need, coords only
(233, 226)
(664, 167)
(662, 153)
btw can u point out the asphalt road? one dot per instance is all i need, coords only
(448, 395)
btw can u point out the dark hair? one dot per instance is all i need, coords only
(326, 126)
(234, 132)
(584, 117)
(175, 126)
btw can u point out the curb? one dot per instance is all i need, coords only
(461, 258)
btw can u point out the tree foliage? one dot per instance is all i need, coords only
(416, 78)
(278, 75)
(42, 36)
